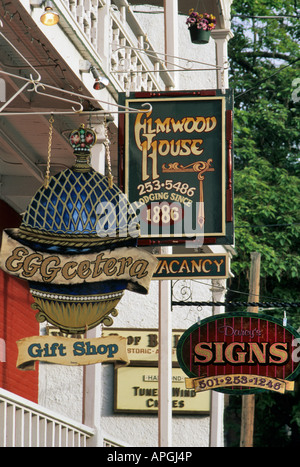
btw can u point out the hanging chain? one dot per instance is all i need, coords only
(106, 144)
(47, 175)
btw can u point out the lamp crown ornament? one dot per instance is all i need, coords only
(82, 140)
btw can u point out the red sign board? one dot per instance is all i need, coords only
(240, 352)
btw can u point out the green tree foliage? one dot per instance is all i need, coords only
(264, 73)
(264, 66)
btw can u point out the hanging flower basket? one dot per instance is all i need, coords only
(200, 26)
(199, 36)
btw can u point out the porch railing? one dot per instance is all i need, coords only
(127, 56)
(26, 424)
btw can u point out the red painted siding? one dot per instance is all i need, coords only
(17, 320)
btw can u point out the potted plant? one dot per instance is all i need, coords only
(200, 25)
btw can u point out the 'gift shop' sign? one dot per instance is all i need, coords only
(70, 351)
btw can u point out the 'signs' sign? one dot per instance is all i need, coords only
(243, 352)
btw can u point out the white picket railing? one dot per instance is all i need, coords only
(26, 424)
(109, 443)
(86, 14)
(133, 63)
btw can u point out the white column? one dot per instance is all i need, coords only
(92, 396)
(98, 150)
(104, 31)
(165, 362)
(92, 373)
(221, 37)
(171, 35)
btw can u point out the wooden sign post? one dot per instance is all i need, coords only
(248, 400)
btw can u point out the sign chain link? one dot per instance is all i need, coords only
(47, 175)
(106, 144)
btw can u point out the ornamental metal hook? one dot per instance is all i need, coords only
(38, 76)
(36, 84)
(14, 96)
(36, 87)
(168, 59)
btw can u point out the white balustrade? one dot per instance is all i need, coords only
(26, 424)
(134, 65)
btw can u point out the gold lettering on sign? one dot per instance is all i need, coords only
(199, 167)
(133, 265)
(50, 267)
(237, 353)
(146, 131)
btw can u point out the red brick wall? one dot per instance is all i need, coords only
(17, 320)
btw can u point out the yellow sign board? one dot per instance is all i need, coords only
(69, 351)
(142, 344)
(136, 391)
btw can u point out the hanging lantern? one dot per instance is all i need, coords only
(77, 246)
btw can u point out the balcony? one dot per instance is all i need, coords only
(26, 424)
(103, 33)
(117, 42)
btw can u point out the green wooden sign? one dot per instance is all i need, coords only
(206, 266)
(176, 164)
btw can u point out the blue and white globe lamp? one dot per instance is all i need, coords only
(68, 220)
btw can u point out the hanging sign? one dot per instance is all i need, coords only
(77, 245)
(119, 264)
(176, 165)
(240, 353)
(136, 391)
(142, 344)
(71, 351)
(207, 266)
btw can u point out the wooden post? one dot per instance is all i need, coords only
(248, 400)
(254, 281)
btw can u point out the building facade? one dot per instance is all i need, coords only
(57, 72)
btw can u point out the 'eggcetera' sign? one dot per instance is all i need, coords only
(240, 352)
(121, 263)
